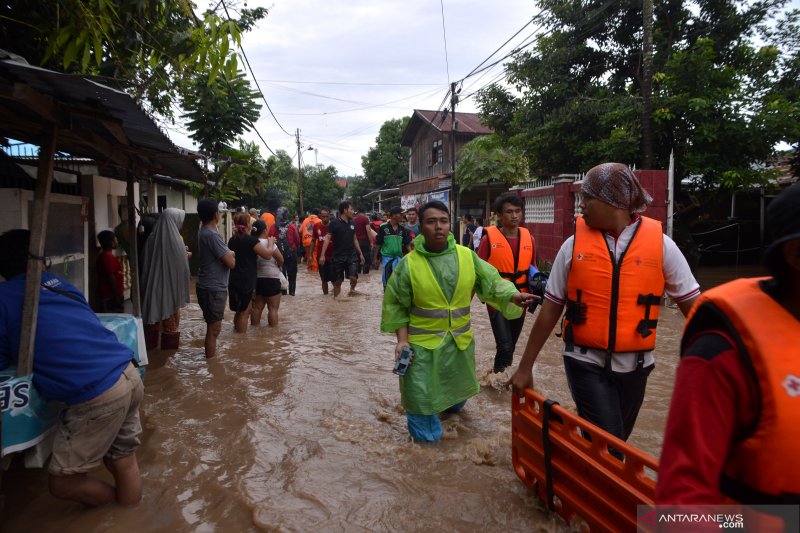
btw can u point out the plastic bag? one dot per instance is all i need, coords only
(284, 283)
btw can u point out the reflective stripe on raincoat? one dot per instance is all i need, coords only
(432, 315)
(444, 376)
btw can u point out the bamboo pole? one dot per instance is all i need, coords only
(134, 246)
(33, 276)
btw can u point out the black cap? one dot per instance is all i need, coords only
(782, 222)
(395, 210)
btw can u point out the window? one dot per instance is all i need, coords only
(437, 153)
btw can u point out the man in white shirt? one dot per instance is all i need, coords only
(611, 282)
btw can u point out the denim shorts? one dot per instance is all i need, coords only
(106, 426)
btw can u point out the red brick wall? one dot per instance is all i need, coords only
(550, 237)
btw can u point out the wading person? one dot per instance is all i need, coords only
(392, 242)
(426, 305)
(365, 238)
(347, 257)
(610, 275)
(243, 277)
(268, 279)
(511, 249)
(412, 221)
(215, 262)
(732, 430)
(318, 239)
(306, 236)
(287, 239)
(165, 278)
(78, 362)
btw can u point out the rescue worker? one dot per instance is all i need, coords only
(734, 420)
(610, 276)
(511, 249)
(306, 233)
(426, 304)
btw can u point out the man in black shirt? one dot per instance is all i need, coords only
(347, 257)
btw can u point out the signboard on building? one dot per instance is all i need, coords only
(416, 200)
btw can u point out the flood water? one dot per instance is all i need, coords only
(299, 428)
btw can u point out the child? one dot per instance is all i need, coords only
(109, 274)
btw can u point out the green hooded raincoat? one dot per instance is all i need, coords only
(440, 378)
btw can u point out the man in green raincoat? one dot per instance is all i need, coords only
(427, 305)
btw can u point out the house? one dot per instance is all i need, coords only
(435, 139)
(92, 145)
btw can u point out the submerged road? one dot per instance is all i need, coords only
(299, 428)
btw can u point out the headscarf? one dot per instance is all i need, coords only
(616, 185)
(282, 217)
(165, 271)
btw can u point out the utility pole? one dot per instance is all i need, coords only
(453, 126)
(647, 84)
(299, 176)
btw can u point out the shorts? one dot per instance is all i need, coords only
(345, 268)
(326, 271)
(239, 299)
(106, 426)
(212, 303)
(267, 287)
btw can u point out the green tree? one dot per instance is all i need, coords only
(577, 98)
(147, 47)
(320, 188)
(278, 184)
(484, 159)
(385, 165)
(219, 110)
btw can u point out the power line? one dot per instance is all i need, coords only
(504, 44)
(357, 84)
(385, 104)
(444, 37)
(247, 61)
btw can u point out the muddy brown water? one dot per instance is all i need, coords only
(299, 428)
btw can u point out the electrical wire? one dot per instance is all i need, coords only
(253, 74)
(444, 37)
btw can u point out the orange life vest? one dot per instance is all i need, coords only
(615, 307)
(307, 228)
(501, 256)
(762, 466)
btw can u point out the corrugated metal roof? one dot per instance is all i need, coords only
(94, 120)
(466, 123)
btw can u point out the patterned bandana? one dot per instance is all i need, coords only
(615, 184)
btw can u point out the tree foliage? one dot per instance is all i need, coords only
(721, 101)
(320, 188)
(484, 159)
(146, 47)
(385, 165)
(241, 176)
(219, 110)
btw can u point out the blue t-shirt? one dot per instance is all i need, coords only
(75, 357)
(212, 274)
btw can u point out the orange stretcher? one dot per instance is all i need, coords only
(576, 477)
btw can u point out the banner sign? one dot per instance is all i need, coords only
(27, 417)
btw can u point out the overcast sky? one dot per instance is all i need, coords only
(337, 70)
